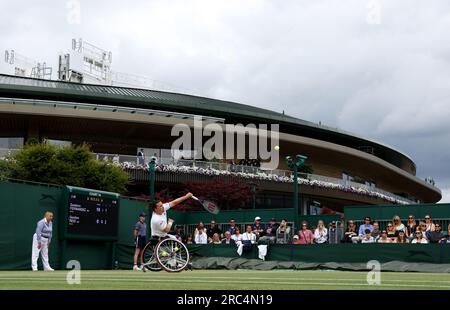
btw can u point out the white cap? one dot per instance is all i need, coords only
(295, 236)
(257, 218)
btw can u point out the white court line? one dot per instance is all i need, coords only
(164, 277)
(302, 283)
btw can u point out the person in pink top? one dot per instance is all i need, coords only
(305, 235)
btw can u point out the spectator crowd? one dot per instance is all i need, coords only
(396, 231)
(412, 231)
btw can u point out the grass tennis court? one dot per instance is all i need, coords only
(221, 279)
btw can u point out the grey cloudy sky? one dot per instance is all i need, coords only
(385, 76)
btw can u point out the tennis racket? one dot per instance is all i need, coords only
(208, 205)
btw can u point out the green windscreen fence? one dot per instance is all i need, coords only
(23, 205)
(340, 253)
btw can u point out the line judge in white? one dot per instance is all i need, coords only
(160, 225)
(41, 242)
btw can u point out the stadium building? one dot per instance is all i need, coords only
(87, 105)
(117, 122)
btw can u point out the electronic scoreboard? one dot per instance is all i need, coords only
(90, 214)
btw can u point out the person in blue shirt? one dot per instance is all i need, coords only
(41, 242)
(258, 228)
(362, 228)
(140, 237)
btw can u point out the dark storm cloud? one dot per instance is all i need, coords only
(317, 60)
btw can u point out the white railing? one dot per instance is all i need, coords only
(134, 160)
(7, 152)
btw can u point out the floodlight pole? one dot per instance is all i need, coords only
(295, 165)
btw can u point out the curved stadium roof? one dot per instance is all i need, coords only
(22, 87)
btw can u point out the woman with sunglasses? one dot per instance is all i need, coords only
(411, 225)
(422, 226)
(391, 233)
(429, 223)
(350, 232)
(398, 225)
(419, 237)
(384, 238)
(305, 236)
(401, 238)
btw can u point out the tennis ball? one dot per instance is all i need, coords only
(277, 147)
(176, 249)
(164, 253)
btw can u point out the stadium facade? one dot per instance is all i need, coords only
(119, 121)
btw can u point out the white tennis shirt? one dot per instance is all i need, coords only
(159, 222)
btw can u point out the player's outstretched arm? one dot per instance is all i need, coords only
(177, 201)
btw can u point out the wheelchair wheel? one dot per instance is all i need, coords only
(148, 258)
(172, 255)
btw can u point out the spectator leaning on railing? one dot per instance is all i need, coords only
(321, 233)
(248, 239)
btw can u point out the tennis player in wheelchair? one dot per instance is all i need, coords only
(164, 251)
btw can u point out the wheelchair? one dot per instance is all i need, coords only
(166, 254)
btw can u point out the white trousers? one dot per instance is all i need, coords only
(43, 251)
